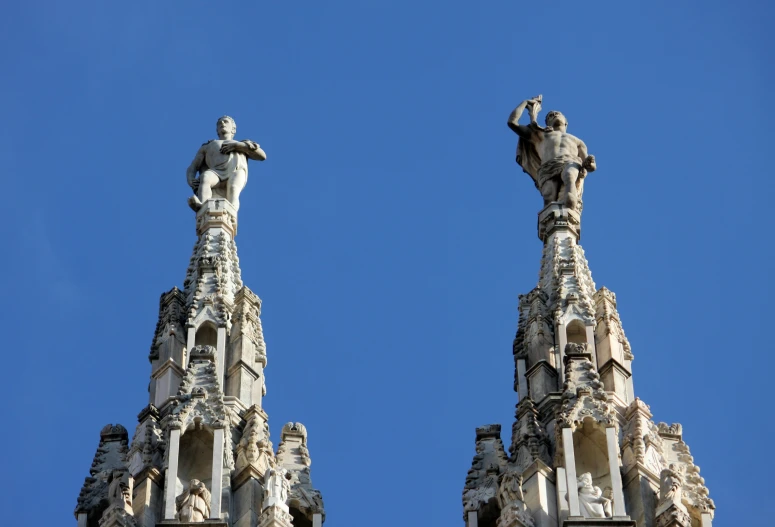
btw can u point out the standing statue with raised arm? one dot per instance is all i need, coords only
(556, 160)
(222, 162)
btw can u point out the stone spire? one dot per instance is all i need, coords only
(586, 449)
(201, 451)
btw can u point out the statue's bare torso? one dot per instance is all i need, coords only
(554, 144)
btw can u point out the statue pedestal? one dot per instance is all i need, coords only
(621, 521)
(206, 523)
(216, 214)
(275, 517)
(117, 517)
(673, 516)
(557, 217)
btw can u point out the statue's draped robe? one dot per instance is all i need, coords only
(230, 163)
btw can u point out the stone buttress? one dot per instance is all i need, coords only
(585, 450)
(201, 452)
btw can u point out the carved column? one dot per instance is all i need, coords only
(570, 469)
(217, 483)
(171, 476)
(616, 475)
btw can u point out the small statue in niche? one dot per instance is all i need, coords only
(276, 488)
(557, 161)
(194, 504)
(511, 500)
(222, 161)
(120, 491)
(255, 448)
(593, 502)
(670, 489)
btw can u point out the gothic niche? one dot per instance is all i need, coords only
(195, 459)
(576, 332)
(591, 452)
(206, 335)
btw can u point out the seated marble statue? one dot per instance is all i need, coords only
(592, 501)
(194, 504)
(222, 161)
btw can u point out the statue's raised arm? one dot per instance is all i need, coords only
(556, 160)
(222, 165)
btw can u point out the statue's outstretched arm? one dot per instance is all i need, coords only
(513, 122)
(193, 168)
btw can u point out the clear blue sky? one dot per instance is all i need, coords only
(390, 231)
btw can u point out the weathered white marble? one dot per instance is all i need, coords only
(202, 451)
(222, 162)
(584, 445)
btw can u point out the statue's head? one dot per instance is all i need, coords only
(585, 480)
(557, 121)
(226, 127)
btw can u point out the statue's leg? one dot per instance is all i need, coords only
(549, 191)
(569, 176)
(207, 180)
(234, 186)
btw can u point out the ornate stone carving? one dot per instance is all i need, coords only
(254, 448)
(641, 443)
(119, 512)
(583, 395)
(147, 449)
(670, 510)
(566, 280)
(529, 440)
(293, 455)
(199, 402)
(247, 321)
(673, 430)
(695, 494)
(277, 485)
(109, 459)
(222, 162)
(557, 161)
(481, 488)
(511, 500)
(120, 491)
(593, 502)
(212, 280)
(275, 517)
(170, 331)
(608, 321)
(193, 505)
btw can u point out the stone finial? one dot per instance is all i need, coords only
(113, 433)
(222, 165)
(481, 487)
(294, 429)
(110, 458)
